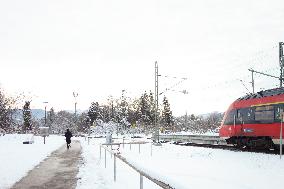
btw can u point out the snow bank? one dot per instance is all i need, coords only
(17, 158)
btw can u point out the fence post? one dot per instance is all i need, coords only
(114, 167)
(141, 181)
(105, 158)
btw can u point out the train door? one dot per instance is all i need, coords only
(278, 112)
(239, 123)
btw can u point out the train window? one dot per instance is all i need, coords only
(245, 115)
(264, 114)
(264, 108)
(230, 118)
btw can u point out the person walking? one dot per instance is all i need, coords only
(68, 136)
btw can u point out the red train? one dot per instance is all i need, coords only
(254, 120)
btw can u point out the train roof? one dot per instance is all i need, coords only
(261, 94)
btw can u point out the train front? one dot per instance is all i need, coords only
(227, 131)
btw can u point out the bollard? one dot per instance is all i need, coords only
(130, 145)
(105, 159)
(44, 140)
(141, 181)
(123, 142)
(114, 167)
(88, 140)
(139, 148)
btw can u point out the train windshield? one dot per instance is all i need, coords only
(230, 118)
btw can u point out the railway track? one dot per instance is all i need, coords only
(208, 141)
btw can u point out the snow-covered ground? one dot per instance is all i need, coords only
(16, 158)
(181, 167)
(93, 173)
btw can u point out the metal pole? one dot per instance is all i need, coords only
(252, 81)
(105, 159)
(281, 76)
(156, 100)
(281, 62)
(45, 116)
(281, 138)
(114, 168)
(141, 181)
(151, 148)
(100, 151)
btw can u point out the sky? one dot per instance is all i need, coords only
(49, 49)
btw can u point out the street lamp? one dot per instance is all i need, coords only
(75, 95)
(45, 112)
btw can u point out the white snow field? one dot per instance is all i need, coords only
(180, 166)
(16, 158)
(183, 167)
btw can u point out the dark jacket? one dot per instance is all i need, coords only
(68, 136)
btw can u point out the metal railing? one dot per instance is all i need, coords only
(204, 139)
(141, 173)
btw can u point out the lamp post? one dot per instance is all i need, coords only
(45, 112)
(75, 95)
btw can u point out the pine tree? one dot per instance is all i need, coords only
(51, 119)
(152, 108)
(111, 108)
(122, 110)
(27, 116)
(167, 118)
(144, 108)
(94, 112)
(7, 120)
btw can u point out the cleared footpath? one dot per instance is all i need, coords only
(59, 170)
